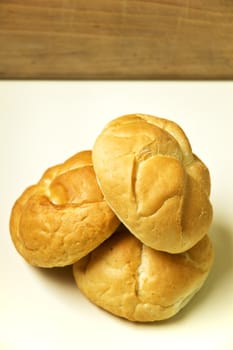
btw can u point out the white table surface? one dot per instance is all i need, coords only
(42, 124)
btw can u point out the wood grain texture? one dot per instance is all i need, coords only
(116, 39)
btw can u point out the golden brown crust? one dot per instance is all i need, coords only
(154, 183)
(63, 217)
(138, 283)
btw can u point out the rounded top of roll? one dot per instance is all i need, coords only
(153, 182)
(138, 283)
(63, 217)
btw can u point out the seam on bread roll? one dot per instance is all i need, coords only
(141, 275)
(175, 131)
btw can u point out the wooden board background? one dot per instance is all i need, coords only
(116, 39)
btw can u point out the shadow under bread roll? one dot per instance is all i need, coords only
(133, 281)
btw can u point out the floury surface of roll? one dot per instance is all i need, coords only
(133, 281)
(63, 217)
(153, 182)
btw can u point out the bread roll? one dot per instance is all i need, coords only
(63, 217)
(133, 281)
(153, 182)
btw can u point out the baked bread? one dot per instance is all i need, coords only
(153, 182)
(63, 217)
(133, 281)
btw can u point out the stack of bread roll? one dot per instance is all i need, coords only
(132, 216)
